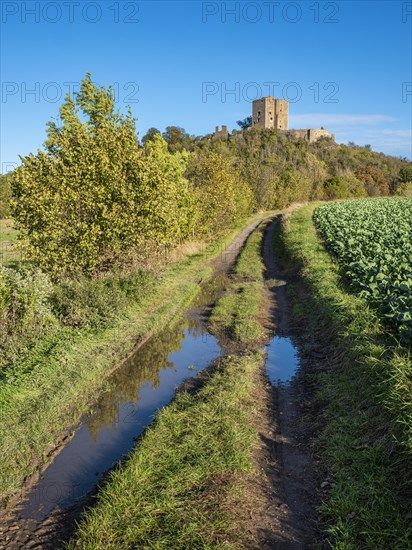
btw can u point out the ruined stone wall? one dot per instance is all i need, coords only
(311, 135)
(270, 112)
(315, 134)
(219, 134)
(299, 134)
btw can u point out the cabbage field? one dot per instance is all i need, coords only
(372, 241)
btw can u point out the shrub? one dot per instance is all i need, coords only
(5, 195)
(222, 196)
(25, 312)
(375, 180)
(85, 302)
(404, 189)
(343, 187)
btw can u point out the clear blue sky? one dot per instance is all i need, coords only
(344, 65)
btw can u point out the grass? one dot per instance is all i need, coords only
(237, 313)
(8, 243)
(183, 484)
(250, 264)
(366, 382)
(45, 392)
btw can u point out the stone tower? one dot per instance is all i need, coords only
(269, 112)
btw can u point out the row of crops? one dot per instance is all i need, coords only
(372, 241)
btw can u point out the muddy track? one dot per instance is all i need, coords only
(49, 533)
(285, 493)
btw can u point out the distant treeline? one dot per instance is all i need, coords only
(280, 169)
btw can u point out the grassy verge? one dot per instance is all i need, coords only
(45, 392)
(183, 485)
(8, 242)
(366, 441)
(237, 312)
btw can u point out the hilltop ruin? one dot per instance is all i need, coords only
(271, 112)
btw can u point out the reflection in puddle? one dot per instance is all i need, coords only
(282, 360)
(145, 383)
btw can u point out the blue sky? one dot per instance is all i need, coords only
(343, 65)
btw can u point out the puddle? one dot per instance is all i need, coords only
(138, 389)
(282, 360)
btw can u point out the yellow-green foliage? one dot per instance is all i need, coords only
(5, 195)
(93, 198)
(341, 187)
(281, 170)
(404, 189)
(222, 196)
(25, 312)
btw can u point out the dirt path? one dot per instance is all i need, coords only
(285, 493)
(17, 533)
(230, 252)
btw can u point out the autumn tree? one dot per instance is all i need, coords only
(176, 137)
(149, 135)
(92, 198)
(405, 173)
(222, 196)
(375, 180)
(165, 195)
(343, 187)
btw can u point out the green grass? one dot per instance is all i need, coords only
(46, 391)
(366, 383)
(183, 485)
(8, 243)
(237, 313)
(250, 264)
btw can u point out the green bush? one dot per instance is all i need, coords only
(25, 312)
(222, 196)
(5, 195)
(343, 187)
(404, 189)
(92, 303)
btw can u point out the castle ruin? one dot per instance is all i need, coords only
(271, 112)
(223, 133)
